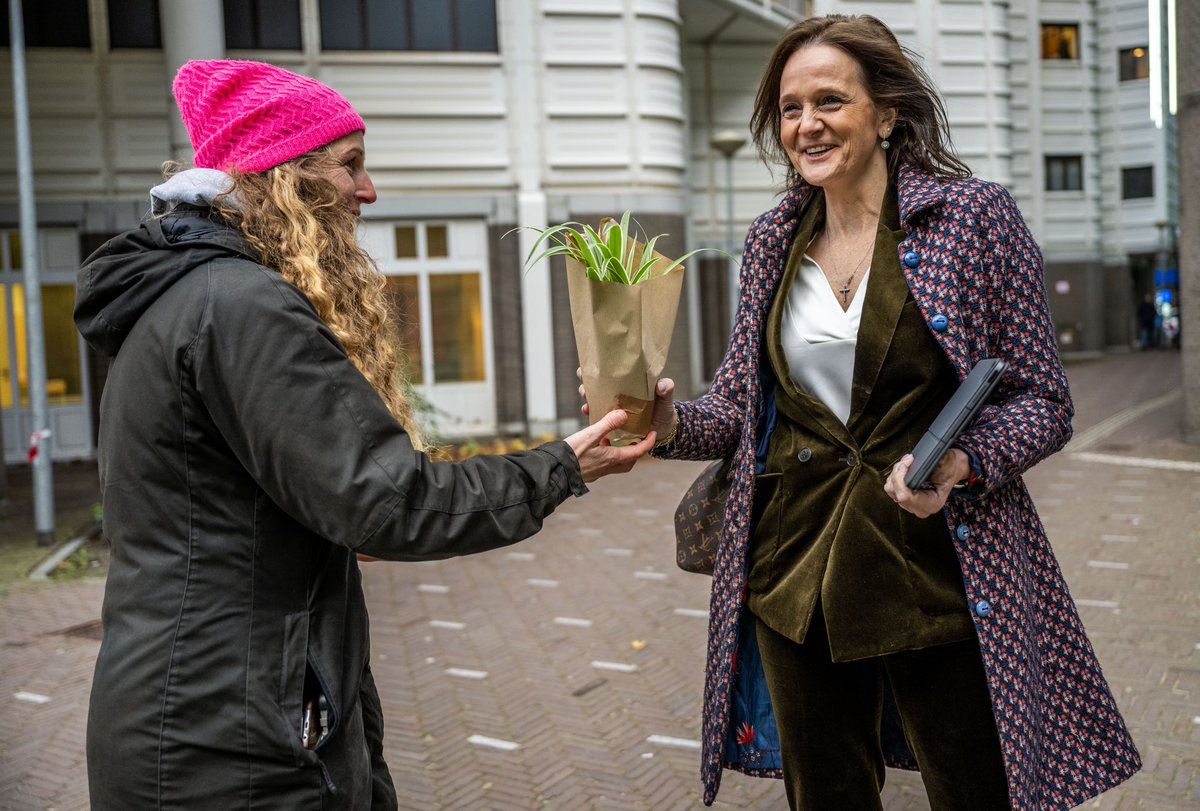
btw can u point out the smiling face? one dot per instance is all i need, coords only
(350, 175)
(830, 127)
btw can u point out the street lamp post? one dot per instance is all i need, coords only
(35, 340)
(728, 142)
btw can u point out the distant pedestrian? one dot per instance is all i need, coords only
(857, 624)
(1147, 316)
(254, 439)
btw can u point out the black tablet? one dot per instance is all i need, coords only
(972, 393)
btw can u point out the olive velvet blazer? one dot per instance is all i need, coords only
(887, 581)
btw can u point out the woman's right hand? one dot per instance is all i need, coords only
(597, 457)
(664, 419)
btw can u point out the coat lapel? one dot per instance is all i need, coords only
(885, 297)
(933, 277)
(800, 405)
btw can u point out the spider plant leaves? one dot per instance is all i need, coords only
(607, 254)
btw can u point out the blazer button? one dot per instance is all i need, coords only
(851, 460)
(940, 322)
(963, 532)
(912, 258)
(983, 608)
(805, 454)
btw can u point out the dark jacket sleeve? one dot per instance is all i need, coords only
(320, 442)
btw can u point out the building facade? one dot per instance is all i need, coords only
(487, 115)
(1068, 104)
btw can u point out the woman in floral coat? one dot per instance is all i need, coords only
(855, 623)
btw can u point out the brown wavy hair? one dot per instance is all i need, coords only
(894, 79)
(300, 226)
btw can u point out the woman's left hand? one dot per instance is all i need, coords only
(599, 458)
(953, 467)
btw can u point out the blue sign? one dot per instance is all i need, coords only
(1166, 278)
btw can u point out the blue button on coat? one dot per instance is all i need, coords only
(939, 322)
(912, 258)
(963, 532)
(983, 608)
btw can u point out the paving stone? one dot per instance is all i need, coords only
(583, 733)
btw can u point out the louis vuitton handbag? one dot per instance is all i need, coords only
(700, 517)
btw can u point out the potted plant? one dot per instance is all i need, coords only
(624, 296)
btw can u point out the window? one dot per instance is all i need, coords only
(1060, 41)
(408, 25)
(1137, 182)
(134, 24)
(262, 24)
(456, 321)
(453, 302)
(406, 298)
(1134, 63)
(64, 372)
(435, 242)
(61, 24)
(1064, 173)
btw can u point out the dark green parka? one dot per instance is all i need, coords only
(244, 461)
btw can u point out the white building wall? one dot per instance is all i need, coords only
(604, 105)
(964, 45)
(722, 83)
(98, 123)
(1136, 141)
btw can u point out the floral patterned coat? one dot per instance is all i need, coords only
(976, 275)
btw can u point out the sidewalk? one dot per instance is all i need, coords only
(566, 672)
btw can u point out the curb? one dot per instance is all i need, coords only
(41, 572)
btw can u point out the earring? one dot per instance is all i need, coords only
(885, 144)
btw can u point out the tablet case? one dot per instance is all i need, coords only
(972, 393)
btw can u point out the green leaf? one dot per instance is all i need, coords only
(606, 255)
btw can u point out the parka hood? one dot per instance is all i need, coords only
(126, 275)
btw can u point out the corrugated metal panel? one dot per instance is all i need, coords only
(589, 142)
(398, 90)
(433, 143)
(139, 143)
(138, 88)
(584, 40)
(573, 91)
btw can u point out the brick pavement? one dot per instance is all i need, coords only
(583, 648)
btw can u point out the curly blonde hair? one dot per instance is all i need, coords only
(301, 227)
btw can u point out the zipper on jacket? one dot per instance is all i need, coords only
(327, 779)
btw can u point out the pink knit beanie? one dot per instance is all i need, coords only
(251, 116)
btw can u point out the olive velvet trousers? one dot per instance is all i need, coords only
(829, 716)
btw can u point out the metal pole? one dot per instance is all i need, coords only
(728, 142)
(729, 239)
(35, 342)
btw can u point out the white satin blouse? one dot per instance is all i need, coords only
(820, 338)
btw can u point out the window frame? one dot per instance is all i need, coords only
(257, 21)
(456, 30)
(1136, 60)
(43, 18)
(156, 43)
(1065, 161)
(1146, 171)
(1077, 47)
(424, 267)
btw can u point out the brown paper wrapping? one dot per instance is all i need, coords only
(623, 334)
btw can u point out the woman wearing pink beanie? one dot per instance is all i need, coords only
(254, 440)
